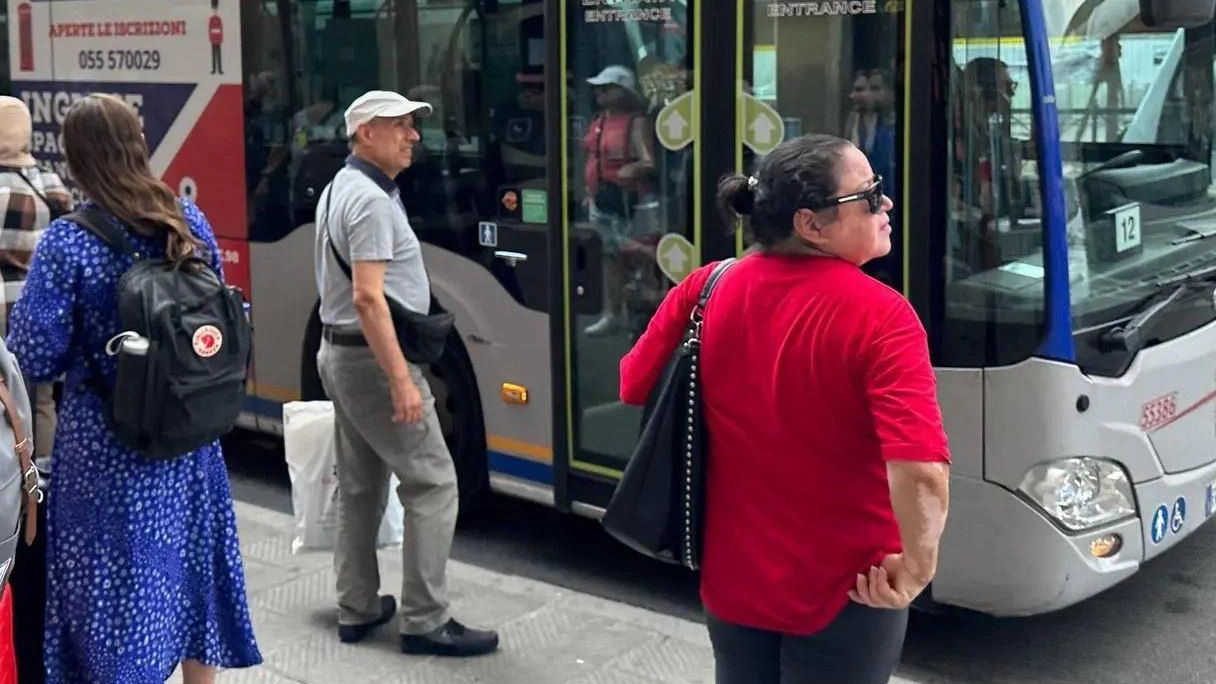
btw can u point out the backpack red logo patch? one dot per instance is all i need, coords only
(207, 341)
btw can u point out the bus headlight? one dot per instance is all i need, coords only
(1080, 493)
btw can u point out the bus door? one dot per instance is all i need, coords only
(629, 218)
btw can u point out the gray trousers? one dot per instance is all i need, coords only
(369, 445)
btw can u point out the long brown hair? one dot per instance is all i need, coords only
(108, 157)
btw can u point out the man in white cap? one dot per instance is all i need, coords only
(385, 416)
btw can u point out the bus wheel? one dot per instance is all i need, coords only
(459, 407)
(310, 378)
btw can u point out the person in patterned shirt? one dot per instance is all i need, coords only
(30, 199)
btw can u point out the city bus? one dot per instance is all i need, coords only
(1050, 163)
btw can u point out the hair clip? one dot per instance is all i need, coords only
(752, 182)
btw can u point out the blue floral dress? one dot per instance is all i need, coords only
(144, 567)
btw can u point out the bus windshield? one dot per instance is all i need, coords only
(1135, 110)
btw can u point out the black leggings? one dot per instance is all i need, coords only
(861, 646)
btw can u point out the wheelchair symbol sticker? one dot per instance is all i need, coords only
(1178, 515)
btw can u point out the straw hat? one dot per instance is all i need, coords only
(15, 132)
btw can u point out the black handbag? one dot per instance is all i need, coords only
(657, 507)
(422, 337)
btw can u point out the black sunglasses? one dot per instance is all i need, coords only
(873, 197)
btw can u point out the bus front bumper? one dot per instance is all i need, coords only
(1002, 555)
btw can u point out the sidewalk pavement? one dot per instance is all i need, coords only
(548, 634)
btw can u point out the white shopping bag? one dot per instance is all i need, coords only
(308, 439)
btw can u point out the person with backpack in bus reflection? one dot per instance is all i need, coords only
(826, 466)
(144, 569)
(30, 199)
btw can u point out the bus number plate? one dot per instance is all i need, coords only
(1159, 411)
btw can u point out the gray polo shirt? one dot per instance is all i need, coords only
(368, 223)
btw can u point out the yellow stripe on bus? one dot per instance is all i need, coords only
(515, 447)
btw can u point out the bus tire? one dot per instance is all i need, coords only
(925, 603)
(458, 404)
(311, 388)
(456, 400)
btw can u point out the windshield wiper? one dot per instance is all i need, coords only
(1201, 274)
(1194, 235)
(1130, 336)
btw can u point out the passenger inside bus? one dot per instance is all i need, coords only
(988, 194)
(619, 180)
(871, 124)
(517, 138)
(267, 156)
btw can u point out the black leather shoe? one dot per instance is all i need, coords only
(452, 639)
(349, 634)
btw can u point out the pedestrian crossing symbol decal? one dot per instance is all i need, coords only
(487, 234)
(1161, 521)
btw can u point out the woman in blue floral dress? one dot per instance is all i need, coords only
(144, 569)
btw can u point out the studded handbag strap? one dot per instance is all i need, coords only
(692, 345)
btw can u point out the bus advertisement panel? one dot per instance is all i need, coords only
(178, 64)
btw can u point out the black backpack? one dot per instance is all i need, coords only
(183, 354)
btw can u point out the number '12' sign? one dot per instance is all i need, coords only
(1127, 227)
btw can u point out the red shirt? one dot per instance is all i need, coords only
(609, 147)
(814, 375)
(215, 28)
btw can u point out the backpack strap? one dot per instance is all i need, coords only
(98, 223)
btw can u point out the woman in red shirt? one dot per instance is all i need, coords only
(827, 468)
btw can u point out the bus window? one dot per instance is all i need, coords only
(1136, 140)
(993, 264)
(265, 60)
(342, 49)
(836, 74)
(625, 192)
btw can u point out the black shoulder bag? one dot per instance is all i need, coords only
(422, 337)
(657, 507)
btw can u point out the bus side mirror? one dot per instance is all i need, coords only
(1171, 15)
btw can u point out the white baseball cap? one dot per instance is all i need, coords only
(380, 103)
(615, 75)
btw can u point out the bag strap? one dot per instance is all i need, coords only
(329, 236)
(698, 311)
(98, 223)
(25, 451)
(690, 553)
(33, 187)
